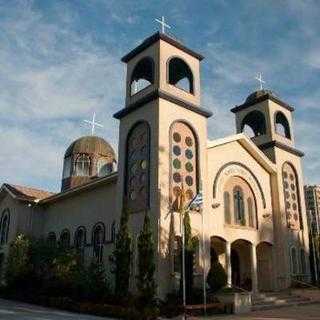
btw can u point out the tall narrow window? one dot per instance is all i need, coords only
(82, 165)
(98, 238)
(138, 168)
(4, 227)
(227, 213)
(250, 212)
(65, 239)
(80, 242)
(239, 213)
(183, 163)
(291, 196)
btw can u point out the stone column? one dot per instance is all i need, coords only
(254, 272)
(228, 263)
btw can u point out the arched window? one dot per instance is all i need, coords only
(183, 163)
(180, 75)
(227, 213)
(104, 167)
(65, 239)
(177, 252)
(52, 240)
(294, 261)
(282, 125)
(303, 262)
(239, 213)
(80, 241)
(98, 238)
(291, 196)
(4, 226)
(66, 168)
(250, 212)
(254, 124)
(82, 165)
(142, 75)
(137, 168)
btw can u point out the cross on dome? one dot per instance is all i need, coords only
(259, 78)
(163, 24)
(93, 123)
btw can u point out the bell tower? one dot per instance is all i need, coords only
(162, 137)
(268, 122)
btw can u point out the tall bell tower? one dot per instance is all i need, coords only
(162, 137)
(268, 122)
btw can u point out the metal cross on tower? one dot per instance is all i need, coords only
(93, 123)
(259, 78)
(163, 24)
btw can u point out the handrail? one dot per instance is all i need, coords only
(305, 283)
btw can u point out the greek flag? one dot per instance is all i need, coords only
(196, 202)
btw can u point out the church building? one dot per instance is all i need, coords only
(252, 218)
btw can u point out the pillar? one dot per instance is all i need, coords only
(228, 263)
(254, 276)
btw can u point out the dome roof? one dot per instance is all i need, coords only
(90, 145)
(257, 94)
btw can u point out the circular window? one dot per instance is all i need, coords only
(176, 177)
(293, 196)
(189, 153)
(133, 195)
(188, 141)
(294, 206)
(285, 174)
(189, 167)
(176, 137)
(287, 194)
(143, 164)
(189, 194)
(286, 185)
(291, 177)
(288, 205)
(292, 186)
(176, 164)
(177, 191)
(189, 181)
(176, 150)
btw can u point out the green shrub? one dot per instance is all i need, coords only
(217, 277)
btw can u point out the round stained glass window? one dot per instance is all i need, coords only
(177, 191)
(133, 195)
(143, 164)
(294, 206)
(176, 137)
(189, 181)
(189, 167)
(188, 141)
(189, 194)
(176, 164)
(285, 174)
(293, 196)
(288, 205)
(176, 151)
(292, 186)
(286, 185)
(189, 154)
(177, 177)
(291, 177)
(287, 194)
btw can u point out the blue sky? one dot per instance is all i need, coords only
(60, 61)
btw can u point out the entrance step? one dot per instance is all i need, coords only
(264, 301)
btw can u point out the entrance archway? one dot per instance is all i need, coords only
(264, 266)
(241, 264)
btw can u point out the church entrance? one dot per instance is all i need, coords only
(241, 264)
(264, 266)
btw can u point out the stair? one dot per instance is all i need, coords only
(271, 300)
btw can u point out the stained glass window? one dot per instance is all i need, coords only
(290, 186)
(183, 162)
(137, 170)
(98, 238)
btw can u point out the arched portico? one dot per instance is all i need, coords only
(264, 266)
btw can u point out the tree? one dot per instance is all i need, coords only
(217, 277)
(146, 264)
(122, 256)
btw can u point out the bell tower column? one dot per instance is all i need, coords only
(162, 142)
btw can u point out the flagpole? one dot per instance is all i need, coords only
(204, 267)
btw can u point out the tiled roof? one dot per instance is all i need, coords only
(27, 193)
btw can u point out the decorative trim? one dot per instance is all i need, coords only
(215, 183)
(282, 146)
(157, 93)
(154, 38)
(260, 99)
